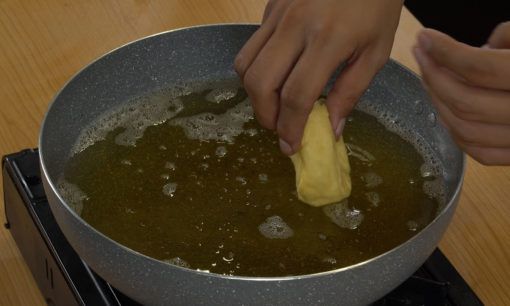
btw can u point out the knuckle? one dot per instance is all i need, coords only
(323, 30)
(265, 119)
(254, 84)
(294, 14)
(291, 99)
(458, 99)
(347, 99)
(467, 135)
(473, 71)
(461, 107)
(350, 99)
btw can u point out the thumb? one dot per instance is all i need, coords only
(500, 37)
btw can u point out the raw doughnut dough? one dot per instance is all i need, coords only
(322, 166)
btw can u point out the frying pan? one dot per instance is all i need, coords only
(206, 53)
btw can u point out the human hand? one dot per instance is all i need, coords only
(287, 62)
(470, 88)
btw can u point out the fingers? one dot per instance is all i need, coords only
(464, 101)
(488, 156)
(304, 85)
(252, 47)
(483, 67)
(471, 138)
(500, 37)
(269, 70)
(249, 51)
(263, 63)
(485, 155)
(350, 85)
(473, 134)
(478, 118)
(284, 73)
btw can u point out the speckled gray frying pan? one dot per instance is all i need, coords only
(207, 53)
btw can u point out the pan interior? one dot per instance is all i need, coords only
(193, 180)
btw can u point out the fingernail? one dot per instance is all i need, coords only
(424, 41)
(285, 147)
(420, 56)
(340, 128)
(486, 46)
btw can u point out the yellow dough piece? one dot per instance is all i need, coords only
(322, 166)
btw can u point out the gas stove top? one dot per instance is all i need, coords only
(64, 279)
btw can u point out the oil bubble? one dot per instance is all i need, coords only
(221, 151)
(371, 179)
(177, 261)
(373, 197)
(224, 127)
(251, 132)
(330, 260)
(412, 225)
(426, 171)
(229, 257)
(241, 180)
(170, 165)
(343, 216)
(434, 189)
(263, 177)
(169, 189)
(359, 153)
(73, 194)
(218, 95)
(431, 118)
(275, 228)
(418, 107)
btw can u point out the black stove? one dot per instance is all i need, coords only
(64, 279)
